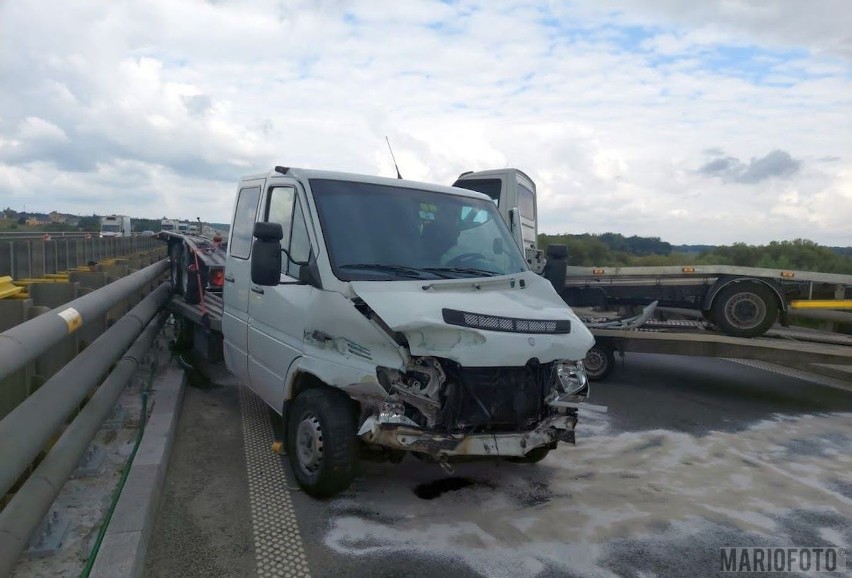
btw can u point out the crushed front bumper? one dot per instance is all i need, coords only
(401, 436)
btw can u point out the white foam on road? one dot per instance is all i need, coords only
(519, 520)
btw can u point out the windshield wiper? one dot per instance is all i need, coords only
(402, 270)
(465, 270)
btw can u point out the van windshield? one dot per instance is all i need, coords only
(110, 228)
(382, 232)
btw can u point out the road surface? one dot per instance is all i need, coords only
(694, 454)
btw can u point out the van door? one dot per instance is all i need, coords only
(277, 315)
(238, 280)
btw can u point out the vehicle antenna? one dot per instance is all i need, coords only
(399, 176)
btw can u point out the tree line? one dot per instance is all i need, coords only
(613, 249)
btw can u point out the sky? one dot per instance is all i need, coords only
(707, 122)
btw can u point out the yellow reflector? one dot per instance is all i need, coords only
(822, 304)
(788, 274)
(597, 271)
(688, 269)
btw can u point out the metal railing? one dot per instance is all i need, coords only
(29, 427)
(24, 258)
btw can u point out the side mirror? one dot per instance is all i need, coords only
(515, 227)
(268, 232)
(556, 267)
(266, 254)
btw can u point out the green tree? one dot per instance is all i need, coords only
(91, 224)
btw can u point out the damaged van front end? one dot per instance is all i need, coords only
(470, 383)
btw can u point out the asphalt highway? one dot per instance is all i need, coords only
(693, 454)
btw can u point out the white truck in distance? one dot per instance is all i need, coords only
(169, 225)
(115, 226)
(381, 316)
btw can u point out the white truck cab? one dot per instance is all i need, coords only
(382, 316)
(115, 226)
(514, 194)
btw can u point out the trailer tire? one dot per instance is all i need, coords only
(744, 309)
(189, 280)
(322, 442)
(599, 362)
(183, 333)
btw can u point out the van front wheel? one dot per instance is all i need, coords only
(322, 443)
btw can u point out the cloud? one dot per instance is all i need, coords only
(609, 107)
(778, 164)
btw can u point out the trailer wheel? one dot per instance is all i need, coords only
(599, 362)
(322, 442)
(189, 280)
(533, 456)
(183, 333)
(745, 309)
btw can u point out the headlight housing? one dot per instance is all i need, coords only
(571, 376)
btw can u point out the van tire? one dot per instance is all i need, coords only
(321, 441)
(745, 309)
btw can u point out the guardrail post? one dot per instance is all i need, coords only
(74, 246)
(37, 268)
(5, 258)
(51, 256)
(21, 267)
(61, 255)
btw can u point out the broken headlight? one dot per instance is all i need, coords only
(572, 376)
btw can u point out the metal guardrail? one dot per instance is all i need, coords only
(22, 516)
(28, 428)
(26, 257)
(23, 343)
(41, 234)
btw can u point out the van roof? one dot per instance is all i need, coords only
(308, 174)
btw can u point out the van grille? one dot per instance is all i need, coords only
(506, 324)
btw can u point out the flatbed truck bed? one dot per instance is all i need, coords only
(783, 346)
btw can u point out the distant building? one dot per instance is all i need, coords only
(33, 222)
(56, 217)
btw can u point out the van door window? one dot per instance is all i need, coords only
(300, 244)
(526, 202)
(240, 245)
(285, 208)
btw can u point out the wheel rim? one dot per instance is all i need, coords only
(309, 447)
(745, 310)
(595, 362)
